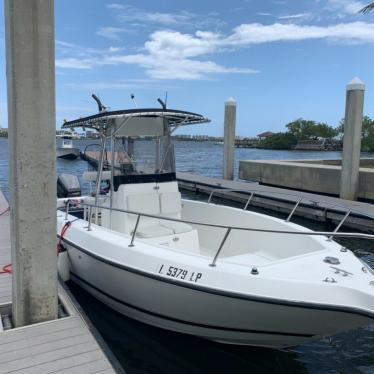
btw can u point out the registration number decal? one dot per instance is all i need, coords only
(179, 273)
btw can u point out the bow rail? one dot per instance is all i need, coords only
(228, 229)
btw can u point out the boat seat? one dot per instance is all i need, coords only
(153, 231)
(148, 227)
(171, 206)
(177, 227)
(165, 204)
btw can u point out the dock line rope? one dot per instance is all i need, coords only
(64, 228)
(7, 269)
(6, 210)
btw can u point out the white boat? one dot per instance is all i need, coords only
(67, 151)
(217, 272)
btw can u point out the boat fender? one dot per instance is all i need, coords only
(63, 265)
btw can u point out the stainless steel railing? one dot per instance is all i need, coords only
(228, 229)
(300, 199)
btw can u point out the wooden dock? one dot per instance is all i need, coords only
(67, 345)
(312, 206)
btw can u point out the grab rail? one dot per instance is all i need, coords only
(228, 229)
(300, 199)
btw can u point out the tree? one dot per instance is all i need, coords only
(323, 130)
(368, 8)
(305, 130)
(367, 134)
(367, 140)
(279, 140)
(302, 129)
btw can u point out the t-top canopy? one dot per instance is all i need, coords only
(136, 122)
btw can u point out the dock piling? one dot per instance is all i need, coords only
(229, 139)
(352, 139)
(30, 64)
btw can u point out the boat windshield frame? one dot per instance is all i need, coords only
(110, 124)
(104, 121)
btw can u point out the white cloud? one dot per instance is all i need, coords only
(145, 84)
(137, 17)
(129, 13)
(110, 32)
(157, 67)
(255, 33)
(294, 16)
(74, 63)
(350, 7)
(74, 56)
(175, 55)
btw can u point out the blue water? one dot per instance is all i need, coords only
(144, 349)
(203, 158)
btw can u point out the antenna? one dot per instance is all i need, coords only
(162, 103)
(99, 103)
(166, 99)
(133, 99)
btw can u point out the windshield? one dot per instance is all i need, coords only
(145, 155)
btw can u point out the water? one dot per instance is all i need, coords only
(145, 349)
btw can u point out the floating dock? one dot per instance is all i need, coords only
(308, 205)
(321, 176)
(69, 344)
(313, 206)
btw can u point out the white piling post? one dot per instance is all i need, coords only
(229, 139)
(354, 106)
(30, 63)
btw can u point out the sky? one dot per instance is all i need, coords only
(280, 60)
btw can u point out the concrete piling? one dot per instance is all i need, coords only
(229, 139)
(30, 64)
(352, 139)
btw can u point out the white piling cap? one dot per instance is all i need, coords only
(356, 84)
(230, 101)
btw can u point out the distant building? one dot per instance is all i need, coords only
(61, 133)
(3, 132)
(91, 134)
(265, 134)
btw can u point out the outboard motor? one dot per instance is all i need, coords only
(68, 185)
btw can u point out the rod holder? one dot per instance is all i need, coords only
(134, 232)
(89, 218)
(220, 247)
(340, 225)
(293, 210)
(67, 209)
(248, 201)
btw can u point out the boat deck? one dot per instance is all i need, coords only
(66, 345)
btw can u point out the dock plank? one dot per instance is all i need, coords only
(19, 354)
(91, 367)
(56, 365)
(283, 200)
(46, 357)
(49, 338)
(66, 345)
(274, 192)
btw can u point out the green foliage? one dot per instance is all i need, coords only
(367, 141)
(305, 130)
(280, 140)
(367, 134)
(302, 129)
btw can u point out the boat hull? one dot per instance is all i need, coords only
(67, 153)
(204, 312)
